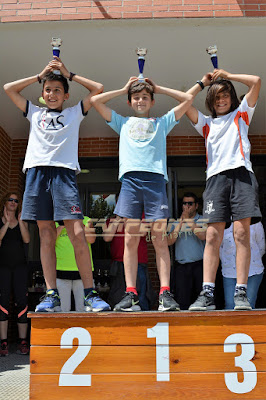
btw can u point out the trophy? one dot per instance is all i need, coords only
(212, 50)
(141, 52)
(56, 43)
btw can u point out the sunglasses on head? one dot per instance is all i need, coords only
(11, 199)
(188, 203)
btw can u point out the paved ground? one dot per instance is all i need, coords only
(14, 376)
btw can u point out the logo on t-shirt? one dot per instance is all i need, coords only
(51, 124)
(141, 129)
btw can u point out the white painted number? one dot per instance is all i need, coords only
(161, 332)
(242, 361)
(66, 377)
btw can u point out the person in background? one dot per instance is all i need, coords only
(68, 277)
(189, 247)
(14, 234)
(228, 261)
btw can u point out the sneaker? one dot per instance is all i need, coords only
(93, 302)
(241, 301)
(204, 302)
(50, 302)
(167, 302)
(4, 349)
(23, 347)
(130, 302)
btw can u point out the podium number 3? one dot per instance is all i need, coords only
(66, 377)
(242, 361)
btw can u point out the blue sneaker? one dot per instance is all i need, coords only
(93, 302)
(50, 302)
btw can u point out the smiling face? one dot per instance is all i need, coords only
(141, 103)
(222, 104)
(11, 204)
(54, 94)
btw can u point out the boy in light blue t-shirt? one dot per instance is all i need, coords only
(142, 170)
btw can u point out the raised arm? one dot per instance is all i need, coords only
(99, 101)
(253, 83)
(185, 99)
(192, 112)
(24, 230)
(13, 89)
(93, 87)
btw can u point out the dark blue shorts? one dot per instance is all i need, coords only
(142, 191)
(51, 194)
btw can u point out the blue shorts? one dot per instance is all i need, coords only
(142, 191)
(51, 194)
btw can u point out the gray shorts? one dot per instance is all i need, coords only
(142, 191)
(51, 194)
(231, 195)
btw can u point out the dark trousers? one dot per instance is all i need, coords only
(186, 282)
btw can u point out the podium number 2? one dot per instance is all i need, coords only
(161, 332)
(242, 361)
(66, 377)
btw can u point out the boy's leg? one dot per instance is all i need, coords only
(47, 232)
(211, 258)
(130, 302)
(51, 301)
(132, 239)
(242, 241)
(214, 237)
(75, 231)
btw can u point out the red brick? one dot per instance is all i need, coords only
(50, 4)
(16, 6)
(137, 15)
(31, 12)
(228, 14)
(15, 19)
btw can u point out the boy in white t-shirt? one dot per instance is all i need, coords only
(142, 170)
(231, 188)
(51, 163)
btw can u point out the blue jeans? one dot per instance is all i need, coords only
(254, 282)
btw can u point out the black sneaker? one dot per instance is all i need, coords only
(204, 302)
(167, 302)
(241, 301)
(130, 302)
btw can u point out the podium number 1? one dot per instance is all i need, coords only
(161, 332)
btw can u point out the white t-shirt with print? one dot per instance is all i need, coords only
(226, 139)
(142, 145)
(53, 137)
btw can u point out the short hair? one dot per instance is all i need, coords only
(60, 78)
(191, 194)
(219, 86)
(5, 198)
(137, 87)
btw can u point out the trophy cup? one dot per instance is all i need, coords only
(212, 50)
(56, 43)
(141, 52)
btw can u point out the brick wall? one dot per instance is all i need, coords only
(52, 10)
(5, 156)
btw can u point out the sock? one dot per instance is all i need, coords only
(132, 289)
(3, 340)
(88, 291)
(241, 287)
(163, 288)
(21, 339)
(48, 291)
(209, 288)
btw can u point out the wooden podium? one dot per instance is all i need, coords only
(148, 355)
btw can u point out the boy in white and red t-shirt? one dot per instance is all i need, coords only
(231, 192)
